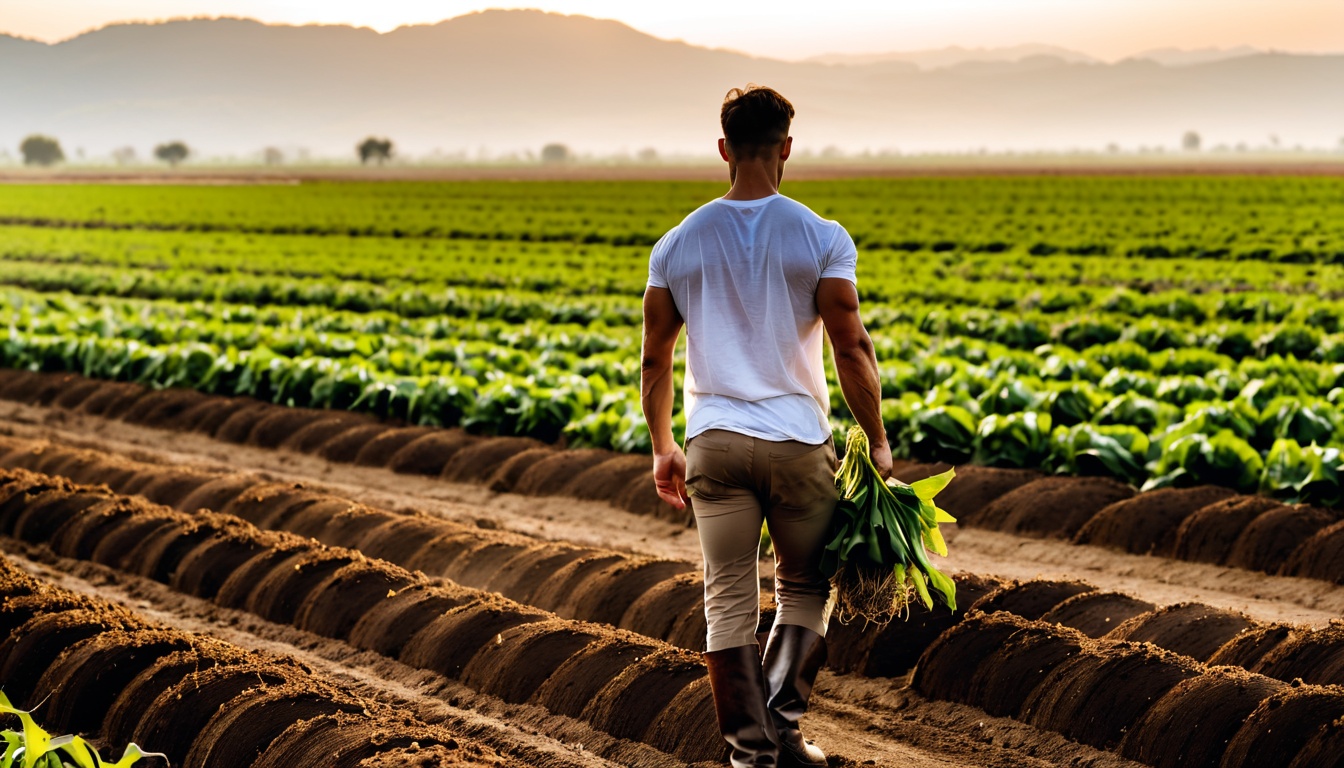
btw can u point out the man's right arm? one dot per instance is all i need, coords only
(855, 363)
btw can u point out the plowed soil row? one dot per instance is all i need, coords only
(1148, 704)
(1210, 635)
(623, 684)
(108, 673)
(637, 593)
(513, 464)
(1238, 531)
(1190, 629)
(852, 718)
(662, 599)
(1205, 524)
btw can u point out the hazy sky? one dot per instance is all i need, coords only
(1107, 28)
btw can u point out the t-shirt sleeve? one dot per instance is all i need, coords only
(842, 258)
(658, 263)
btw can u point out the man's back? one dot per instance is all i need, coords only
(744, 276)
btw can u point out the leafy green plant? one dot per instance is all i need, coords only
(1297, 474)
(1199, 459)
(33, 747)
(1015, 440)
(1117, 451)
(881, 530)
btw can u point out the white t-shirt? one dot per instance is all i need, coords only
(744, 275)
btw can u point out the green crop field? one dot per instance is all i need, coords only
(1165, 331)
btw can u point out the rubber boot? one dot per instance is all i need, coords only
(735, 675)
(793, 656)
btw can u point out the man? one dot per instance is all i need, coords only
(755, 277)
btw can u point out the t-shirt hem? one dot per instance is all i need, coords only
(773, 437)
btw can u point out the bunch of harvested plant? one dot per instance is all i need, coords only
(876, 558)
(32, 747)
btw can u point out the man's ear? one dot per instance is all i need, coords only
(788, 147)
(723, 149)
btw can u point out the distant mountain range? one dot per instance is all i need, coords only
(937, 58)
(511, 81)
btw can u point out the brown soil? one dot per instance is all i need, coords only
(281, 592)
(334, 606)
(1282, 725)
(1098, 695)
(1008, 675)
(1247, 649)
(608, 594)
(389, 623)
(164, 409)
(308, 439)
(606, 479)
(656, 612)
(428, 455)
(1097, 613)
(1269, 540)
(1320, 557)
(280, 424)
(1315, 657)
(378, 452)
(506, 475)
(448, 643)
(107, 398)
(1051, 506)
(1217, 703)
(1207, 535)
(476, 566)
(1031, 599)
(1190, 629)
(240, 732)
(893, 650)
(475, 463)
(217, 493)
(32, 647)
(525, 656)
(86, 680)
(240, 423)
(345, 446)
(966, 497)
(1148, 523)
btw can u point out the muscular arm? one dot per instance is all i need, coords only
(855, 363)
(662, 325)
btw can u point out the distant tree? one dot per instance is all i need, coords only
(123, 155)
(375, 149)
(41, 150)
(647, 155)
(552, 154)
(172, 152)
(272, 156)
(1190, 141)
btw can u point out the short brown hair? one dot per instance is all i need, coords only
(755, 119)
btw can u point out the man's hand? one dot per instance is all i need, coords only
(669, 476)
(881, 456)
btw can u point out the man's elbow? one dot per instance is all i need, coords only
(854, 347)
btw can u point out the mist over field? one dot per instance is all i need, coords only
(511, 81)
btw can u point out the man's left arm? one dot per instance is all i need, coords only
(662, 326)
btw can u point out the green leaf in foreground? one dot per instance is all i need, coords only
(881, 535)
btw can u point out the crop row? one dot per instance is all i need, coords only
(102, 670)
(1285, 219)
(940, 405)
(626, 685)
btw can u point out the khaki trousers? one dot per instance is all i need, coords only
(736, 482)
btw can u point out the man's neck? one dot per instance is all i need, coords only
(755, 180)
